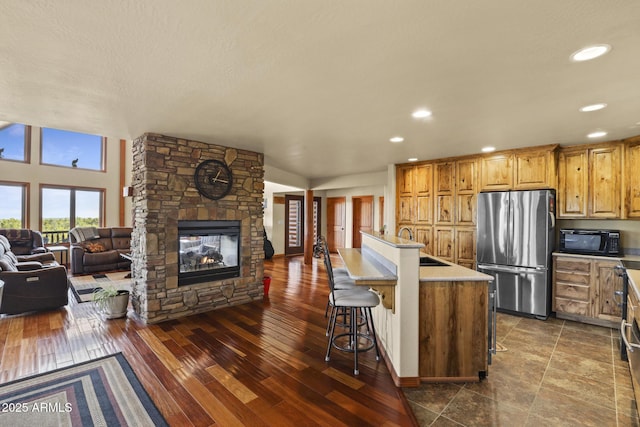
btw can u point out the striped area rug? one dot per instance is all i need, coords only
(101, 392)
(84, 286)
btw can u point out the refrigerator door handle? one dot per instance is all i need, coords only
(552, 217)
(514, 270)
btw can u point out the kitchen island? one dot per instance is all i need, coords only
(433, 325)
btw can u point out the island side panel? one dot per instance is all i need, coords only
(453, 330)
(398, 332)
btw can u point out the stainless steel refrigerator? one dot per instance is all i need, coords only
(515, 239)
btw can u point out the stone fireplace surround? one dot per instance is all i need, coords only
(164, 193)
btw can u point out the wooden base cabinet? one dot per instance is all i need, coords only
(453, 331)
(584, 288)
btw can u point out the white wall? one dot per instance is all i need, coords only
(36, 174)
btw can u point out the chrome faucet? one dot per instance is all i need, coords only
(407, 229)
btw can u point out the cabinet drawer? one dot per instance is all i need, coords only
(572, 306)
(574, 292)
(572, 278)
(573, 265)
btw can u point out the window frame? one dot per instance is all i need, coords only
(103, 152)
(27, 145)
(25, 199)
(72, 202)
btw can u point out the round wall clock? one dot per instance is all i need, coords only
(213, 179)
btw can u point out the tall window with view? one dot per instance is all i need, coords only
(12, 208)
(64, 208)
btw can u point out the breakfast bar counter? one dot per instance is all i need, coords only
(433, 324)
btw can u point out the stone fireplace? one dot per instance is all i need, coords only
(165, 197)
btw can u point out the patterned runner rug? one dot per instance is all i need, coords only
(102, 392)
(83, 286)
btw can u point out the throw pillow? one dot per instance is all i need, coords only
(94, 247)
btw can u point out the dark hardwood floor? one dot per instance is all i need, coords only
(258, 364)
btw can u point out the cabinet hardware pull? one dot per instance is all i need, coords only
(630, 346)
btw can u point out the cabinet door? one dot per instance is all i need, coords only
(605, 188)
(404, 176)
(466, 190)
(466, 176)
(444, 243)
(465, 246)
(424, 235)
(607, 283)
(405, 209)
(424, 194)
(573, 184)
(466, 209)
(444, 190)
(632, 180)
(533, 170)
(497, 172)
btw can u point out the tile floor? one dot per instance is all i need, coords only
(553, 373)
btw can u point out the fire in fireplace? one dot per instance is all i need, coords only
(208, 251)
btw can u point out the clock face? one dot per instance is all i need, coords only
(213, 179)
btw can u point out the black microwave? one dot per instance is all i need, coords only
(590, 242)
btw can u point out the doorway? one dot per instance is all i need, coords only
(293, 225)
(362, 218)
(295, 221)
(336, 217)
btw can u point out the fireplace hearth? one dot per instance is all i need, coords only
(208, 251)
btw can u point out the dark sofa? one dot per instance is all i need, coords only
(31, 282)
(98, 249)
(24, 241)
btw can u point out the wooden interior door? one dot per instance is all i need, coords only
(336, 217)
(362, 218)
(294, 225)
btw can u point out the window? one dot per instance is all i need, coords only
(72, 149)
(64, 208)
(14, 139)
(13, 212)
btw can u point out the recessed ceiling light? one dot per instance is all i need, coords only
(413, 159)
(597, 134)
(396, 139)
(421, 114)
(488, 149)
(593, 107)
(590, 52)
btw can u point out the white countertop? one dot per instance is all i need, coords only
(451, 273)
(394, 241)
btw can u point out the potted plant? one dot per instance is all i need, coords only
(112, 302)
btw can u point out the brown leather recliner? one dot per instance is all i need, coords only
(31, 282)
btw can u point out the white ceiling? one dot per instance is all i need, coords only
(321, 86)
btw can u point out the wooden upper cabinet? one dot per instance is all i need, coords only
(404, 176)
(589, 182)
(604, 182)
(573, 181)
(466, 176)
(535, 169)
(632, 182)
(497, 172)
(424, 193)
(444, 192)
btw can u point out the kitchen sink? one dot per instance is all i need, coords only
(631, 265)
(426, 261)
